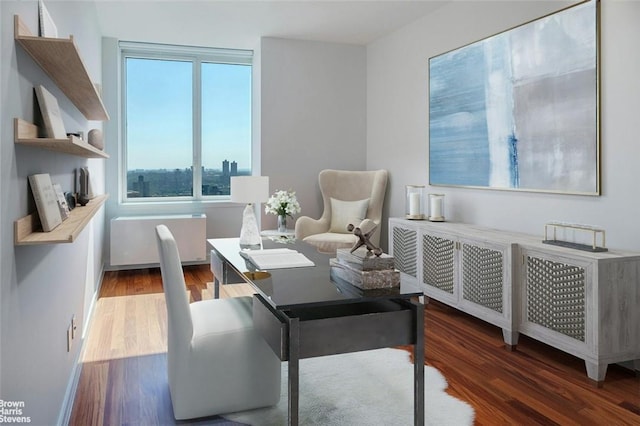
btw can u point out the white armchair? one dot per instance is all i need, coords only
(217, 363)
(349, 197)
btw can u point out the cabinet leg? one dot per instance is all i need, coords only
(510, 339)
(596, 372)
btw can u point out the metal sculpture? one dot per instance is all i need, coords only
(363, 239)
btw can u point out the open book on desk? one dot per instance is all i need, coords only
(277, 258)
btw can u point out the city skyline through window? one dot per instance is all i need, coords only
(184, 113)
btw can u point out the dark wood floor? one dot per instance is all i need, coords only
(535, 384)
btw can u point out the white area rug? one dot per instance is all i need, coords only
(362, 388)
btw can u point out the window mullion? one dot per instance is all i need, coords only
(197, 129)
(122, 167)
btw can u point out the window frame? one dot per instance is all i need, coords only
(197, 56)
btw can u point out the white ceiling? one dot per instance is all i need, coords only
(241, 23)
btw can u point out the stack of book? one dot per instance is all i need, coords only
(365, 270)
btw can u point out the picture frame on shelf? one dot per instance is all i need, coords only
(62, 202)
(46, 201)
(51, 117)
(47, 26)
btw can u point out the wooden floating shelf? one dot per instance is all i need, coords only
(26, 133)
(60, 59)
(27, 230)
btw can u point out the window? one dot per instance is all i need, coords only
(187, 121)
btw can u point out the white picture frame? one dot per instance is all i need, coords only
(47, 26)
(62, 201)
(53, 125)
(46, 201)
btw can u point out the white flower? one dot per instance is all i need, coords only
(282, 203)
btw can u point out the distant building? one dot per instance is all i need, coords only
(143, 187)
(225, 168)
(234, 168)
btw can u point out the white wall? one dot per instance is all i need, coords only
(313, 115)
(41, 287)
(397, 119)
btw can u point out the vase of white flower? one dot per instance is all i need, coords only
(282, 204)
(282, 223)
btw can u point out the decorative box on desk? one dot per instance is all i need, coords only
(365, 270)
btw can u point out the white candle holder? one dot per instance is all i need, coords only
(436, 207)
(414, 202)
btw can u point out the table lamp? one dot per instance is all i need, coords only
(249, 190)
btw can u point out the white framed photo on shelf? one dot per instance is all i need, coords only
(53, 125)
(47, 26)
(62, 201)
(46, 201)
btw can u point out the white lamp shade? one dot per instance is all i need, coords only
(249, 189)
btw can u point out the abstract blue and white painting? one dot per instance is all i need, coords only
(519, 110)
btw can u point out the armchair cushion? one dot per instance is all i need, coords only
(345, 212)
(329, 242)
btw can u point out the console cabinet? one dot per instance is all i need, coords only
(458, 266)
(404, 243)
(586, 304)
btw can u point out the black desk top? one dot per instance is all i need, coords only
(301, 287)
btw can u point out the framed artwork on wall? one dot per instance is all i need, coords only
(520, 110)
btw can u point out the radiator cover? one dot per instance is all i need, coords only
(133, 239)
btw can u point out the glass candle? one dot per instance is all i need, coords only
(436, 207)
(414, 203)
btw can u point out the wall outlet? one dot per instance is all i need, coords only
(74, 327)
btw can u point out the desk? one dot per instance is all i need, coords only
(287, 237)
(289, 233)
(303, 313)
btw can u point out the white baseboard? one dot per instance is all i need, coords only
(70, 394)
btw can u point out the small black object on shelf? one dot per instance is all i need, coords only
(83, 200)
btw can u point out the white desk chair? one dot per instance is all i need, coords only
(217, 363)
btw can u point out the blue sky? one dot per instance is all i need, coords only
(159, 114)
